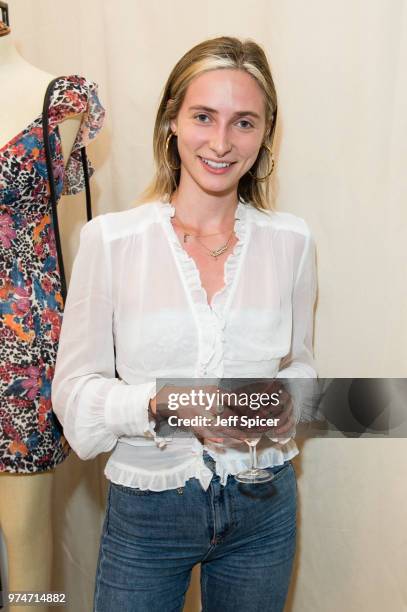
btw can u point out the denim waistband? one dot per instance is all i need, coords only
(210, 463)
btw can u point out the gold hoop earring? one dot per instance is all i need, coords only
(264, 178)
(167, 143)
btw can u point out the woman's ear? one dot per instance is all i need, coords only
(173, 122)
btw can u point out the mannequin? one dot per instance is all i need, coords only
(18, 109)
(25, 499)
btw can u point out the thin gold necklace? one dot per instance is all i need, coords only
(212, 252)
(188, 235)
(216, 252)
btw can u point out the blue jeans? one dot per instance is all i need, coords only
(242, 534)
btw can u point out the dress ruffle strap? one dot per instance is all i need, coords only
(75, 95)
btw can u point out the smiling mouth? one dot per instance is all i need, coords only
(216, 165)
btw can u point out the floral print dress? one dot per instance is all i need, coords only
(31, 303)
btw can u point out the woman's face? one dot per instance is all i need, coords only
(220, 128)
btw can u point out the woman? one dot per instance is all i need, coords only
(201, 281)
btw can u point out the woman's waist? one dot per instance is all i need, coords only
(141, 451)
(222, 369)
(158, 469)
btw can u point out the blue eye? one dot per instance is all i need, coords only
(248, 124)
(201, 115)
(204, 118)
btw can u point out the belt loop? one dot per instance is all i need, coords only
(209, 461)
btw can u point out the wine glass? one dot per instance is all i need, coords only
(253, 474)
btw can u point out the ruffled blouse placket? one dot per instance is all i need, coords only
(210, 318)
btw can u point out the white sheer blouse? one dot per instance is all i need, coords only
(136, 301)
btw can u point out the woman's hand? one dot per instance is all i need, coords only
(233, 419)
(266, 399)
(207, 425)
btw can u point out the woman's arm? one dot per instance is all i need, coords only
(94, 407)
(299, 363)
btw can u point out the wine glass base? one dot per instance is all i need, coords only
(254, 476)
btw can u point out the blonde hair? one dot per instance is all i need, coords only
(218, 53)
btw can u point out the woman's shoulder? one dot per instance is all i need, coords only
(113, 225)
(281, 221)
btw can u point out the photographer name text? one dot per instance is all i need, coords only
(230, 421)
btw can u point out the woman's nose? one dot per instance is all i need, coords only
(220, 142)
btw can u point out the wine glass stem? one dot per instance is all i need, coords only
(253, 457)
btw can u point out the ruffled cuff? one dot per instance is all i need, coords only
(126, 412)
(304, 395)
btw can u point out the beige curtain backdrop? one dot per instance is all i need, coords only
(341, 151)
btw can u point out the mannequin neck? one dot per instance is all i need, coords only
(17, 78)
(19, 109)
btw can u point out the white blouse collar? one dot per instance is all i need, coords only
(189, 268)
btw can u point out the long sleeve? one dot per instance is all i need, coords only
(299, 363)
(94, 407)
